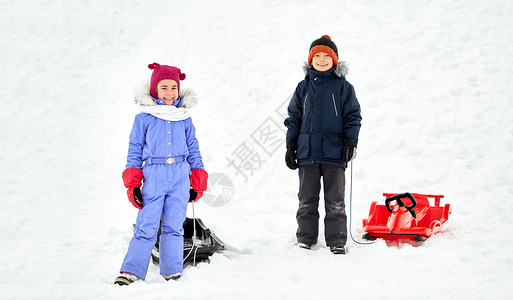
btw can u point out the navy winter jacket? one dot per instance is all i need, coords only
(322, 112)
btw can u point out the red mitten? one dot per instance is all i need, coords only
(132, 178)
(199, 178)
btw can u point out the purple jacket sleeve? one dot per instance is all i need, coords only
(194, 157)
(136, 143)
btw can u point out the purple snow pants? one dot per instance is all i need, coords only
(165, 196)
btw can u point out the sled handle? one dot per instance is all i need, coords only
(401, 203)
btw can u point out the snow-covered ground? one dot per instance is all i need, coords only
(433, 79)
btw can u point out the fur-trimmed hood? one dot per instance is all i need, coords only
(142, 96)
(341, 71)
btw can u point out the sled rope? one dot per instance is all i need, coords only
(351, 211)
(194, 232)
(193, 238)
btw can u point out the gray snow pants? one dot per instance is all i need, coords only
(335, 221)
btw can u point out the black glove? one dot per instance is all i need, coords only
(193, 196)
(138, 197)
(349, 152)
(290, 156)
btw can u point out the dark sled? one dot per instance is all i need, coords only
(207, 243)
(410, 220)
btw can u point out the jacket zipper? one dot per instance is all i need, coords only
(304, 105)
(334, 105)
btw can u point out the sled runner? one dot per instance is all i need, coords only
(410, 220)
(207, 243)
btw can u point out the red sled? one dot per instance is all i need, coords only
(410, 219)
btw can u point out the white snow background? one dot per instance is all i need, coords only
(434, 82)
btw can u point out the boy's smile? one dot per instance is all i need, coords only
(167, 90)
(322, 61)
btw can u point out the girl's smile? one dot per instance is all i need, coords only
(167, 90)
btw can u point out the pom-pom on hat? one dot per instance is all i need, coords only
(161, 72)
(326, 45)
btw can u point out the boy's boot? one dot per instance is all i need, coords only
(304, 246)
(338, 250)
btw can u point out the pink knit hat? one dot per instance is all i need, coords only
(161, 72)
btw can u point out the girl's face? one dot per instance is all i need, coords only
(167, 90)
(322, 62)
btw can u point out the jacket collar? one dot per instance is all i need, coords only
(341, 70)
(176, 103)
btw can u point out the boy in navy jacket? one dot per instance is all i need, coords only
(322, 134)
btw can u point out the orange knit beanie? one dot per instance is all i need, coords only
(326, 45)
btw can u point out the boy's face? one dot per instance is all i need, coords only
(322, 62)
(167, 90)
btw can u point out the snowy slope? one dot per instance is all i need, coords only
(432, 78)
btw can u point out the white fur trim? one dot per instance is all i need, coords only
(190, 99)
(342, 68)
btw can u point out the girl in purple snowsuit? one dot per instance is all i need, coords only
(163, 150)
